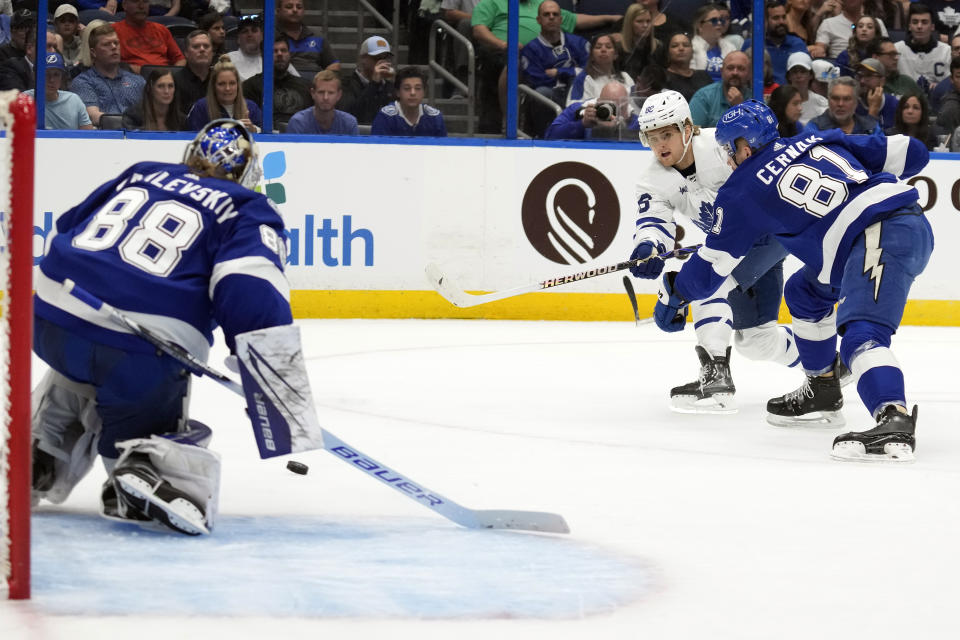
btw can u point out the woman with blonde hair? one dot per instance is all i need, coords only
(83, 60)
(710, 46)
(637, 40)
(225, 100)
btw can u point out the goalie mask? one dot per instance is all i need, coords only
(225, 149)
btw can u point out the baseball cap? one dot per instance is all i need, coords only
(374, 46)
(871, 65)
(825, 71)
(64, 9)
(23, 18)
(799, 59)
(55, 61)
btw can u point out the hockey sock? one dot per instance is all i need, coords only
(713, 324)
(816, 343)
(768, 342)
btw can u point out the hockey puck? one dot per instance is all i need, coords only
(297, 467)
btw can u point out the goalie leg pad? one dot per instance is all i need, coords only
(65, 428)
(169, 482)
(275, 384)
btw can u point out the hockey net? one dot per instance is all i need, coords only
(17, 120)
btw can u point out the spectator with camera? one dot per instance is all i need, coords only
(609, 118)
(370, 87)
(408, 115)
(323, 118)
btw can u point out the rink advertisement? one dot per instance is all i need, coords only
(363, 220)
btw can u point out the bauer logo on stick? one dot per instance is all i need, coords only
(570, 213)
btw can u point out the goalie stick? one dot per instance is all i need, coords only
(460, 298)
(464, 516)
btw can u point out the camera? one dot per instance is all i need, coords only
(606, 110)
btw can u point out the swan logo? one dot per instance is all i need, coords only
(570, 213)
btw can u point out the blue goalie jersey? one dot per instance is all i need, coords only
(179, 253)
(815, 192)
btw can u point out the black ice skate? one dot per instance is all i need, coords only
(145, 491)
(892, 440)
(712, 393)
(817, 403)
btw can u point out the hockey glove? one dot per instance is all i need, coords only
(653, 266)
(670, 312)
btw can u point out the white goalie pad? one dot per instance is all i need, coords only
(191, 469)
(279, 400)
(65, 424)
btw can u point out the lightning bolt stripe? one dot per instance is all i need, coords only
(896, 160)
(871, 256)
(854, 209)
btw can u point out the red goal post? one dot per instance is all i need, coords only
(17, 121)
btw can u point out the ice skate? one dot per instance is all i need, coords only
(892, 440)
(712, 393)
(817, 403)
(145, 491)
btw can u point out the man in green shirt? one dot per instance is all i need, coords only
(489, 21)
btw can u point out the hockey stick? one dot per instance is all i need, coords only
(460, 298)
(628, 285)
(465, 517)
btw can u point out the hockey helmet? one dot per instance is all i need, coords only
(662, 110)
(751, 120)
(225, 149)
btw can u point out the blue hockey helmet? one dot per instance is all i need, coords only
(751, 120)
(225, 149)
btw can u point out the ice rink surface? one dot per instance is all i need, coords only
(682, 526)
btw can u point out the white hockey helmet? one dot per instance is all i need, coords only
(661, 110)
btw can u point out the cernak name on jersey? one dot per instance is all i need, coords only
(791, 152)
(219, 202)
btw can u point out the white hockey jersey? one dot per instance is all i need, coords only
(664, 191)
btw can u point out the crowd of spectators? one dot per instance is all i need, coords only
(866, 66)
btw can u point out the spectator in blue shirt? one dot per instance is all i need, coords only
(873, 100)
(841, 111)
(408, 116)
(323, 118)
(581, 120)
(778, 42)
(105, 87)
(225, 100)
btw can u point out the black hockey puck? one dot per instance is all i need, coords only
(297, 467)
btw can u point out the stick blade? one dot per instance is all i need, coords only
(521, 520)
(445, 287)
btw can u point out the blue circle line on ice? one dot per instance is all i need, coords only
(307, 566)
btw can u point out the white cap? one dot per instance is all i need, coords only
(799, 59)
(825, 71)
(66, 8)
(374, 46)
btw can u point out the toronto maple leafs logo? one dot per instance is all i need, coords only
(706, 218)
(949, 17)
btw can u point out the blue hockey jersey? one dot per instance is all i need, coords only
(815, 192)
(390, 121)
(568, 58)
(179, 253)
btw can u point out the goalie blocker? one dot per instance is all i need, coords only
(277, 390)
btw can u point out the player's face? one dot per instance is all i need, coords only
(866, 29)
(603, 52)
(225, 87)
(912, 111)
(743, 152)
(163, 89)
(666, 144)
(843, 102)
(921, 26)
(326, 94)
(680, 50)
(410, 92)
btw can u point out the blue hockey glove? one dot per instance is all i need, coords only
(652, 267)
(670, 312)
